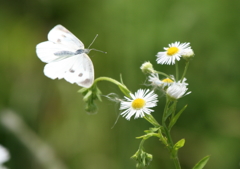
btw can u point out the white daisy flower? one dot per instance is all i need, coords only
(180, 81)
(154, 80)
(138, 104)
(177, 90)
(172, 53)
(183, 81)
(4, 156)
(168, 81)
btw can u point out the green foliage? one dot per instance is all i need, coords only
(201, 163)
(175, 118)
(176, 147)
(170, 110)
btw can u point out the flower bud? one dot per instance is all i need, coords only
(147, 67)
(143, 159)
(89, 96)
(188, 54)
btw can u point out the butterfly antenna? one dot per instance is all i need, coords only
(93, 41)
(98, 50)
(95, 49)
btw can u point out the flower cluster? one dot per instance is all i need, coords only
(142, 101)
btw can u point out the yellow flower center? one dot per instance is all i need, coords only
(138, 103)
(172, 50)
(167, 80)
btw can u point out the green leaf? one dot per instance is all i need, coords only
(201, 163)
(152, 130)
(151, 120)
(88, 96)
(170, 110)
(98, 94)
(175, 118)
(179, 144)
(121, 79)
(176, 147)
(82, 90)
(124, 90)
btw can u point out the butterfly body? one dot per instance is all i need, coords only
(66, 57)
(80, 51)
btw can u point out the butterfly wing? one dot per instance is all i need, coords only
(60, 39)
(76, 69)
(60, 35)
(46, 51)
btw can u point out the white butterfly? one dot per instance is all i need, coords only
(66, 57)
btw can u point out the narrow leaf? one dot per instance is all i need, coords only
(152, 130)
(87, 97)
(170, 110)
(121, 80)
(82, 90)
(124, 90)
(175, 118)
(201, 163)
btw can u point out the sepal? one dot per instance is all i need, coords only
(143, 159)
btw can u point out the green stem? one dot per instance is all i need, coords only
(173, 114)
(141, 144)
(177, 73)
(168, 135)
(165, 111)
(185, 70)
(176, 163)
(108, 79)
(164, 74)
(121, 86)
(175, 159)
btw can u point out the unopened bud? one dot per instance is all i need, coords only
(188, 54)
(147, 67)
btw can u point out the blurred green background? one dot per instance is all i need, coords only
(52, 112)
